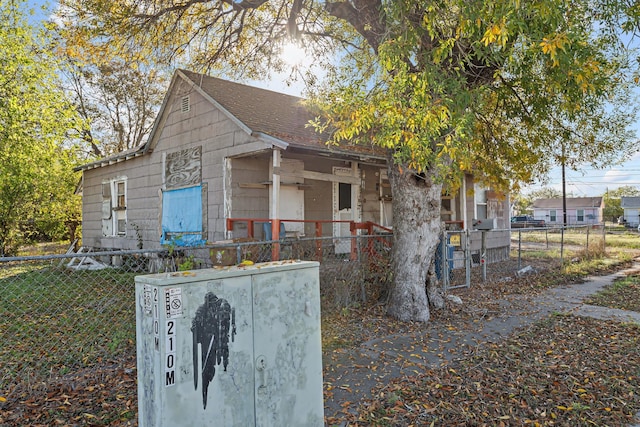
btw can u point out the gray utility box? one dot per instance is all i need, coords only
(485, 224)
(236, 346)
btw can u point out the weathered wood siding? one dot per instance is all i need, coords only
(201, 126)
(235, 175)
(142, 208)
(369, 194)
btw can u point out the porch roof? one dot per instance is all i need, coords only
(278, 115)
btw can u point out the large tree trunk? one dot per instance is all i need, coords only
(416, 230)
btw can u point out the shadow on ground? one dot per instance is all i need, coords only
(388, 350)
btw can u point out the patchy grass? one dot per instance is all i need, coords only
(596, 264)
(624, 294)
(46, 248)
(628, 239)
(57, 319)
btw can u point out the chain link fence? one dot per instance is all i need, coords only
(75, 312)
(466, 257)
(563, 243)
(71, 312)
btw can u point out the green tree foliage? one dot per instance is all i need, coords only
(613, 201)
(502, 90)
(37, 182)
(522, 202)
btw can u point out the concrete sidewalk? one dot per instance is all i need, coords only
(356, 372)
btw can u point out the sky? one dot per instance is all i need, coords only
(590, 182)
(587, 182)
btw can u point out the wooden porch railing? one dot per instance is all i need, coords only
(370, 227)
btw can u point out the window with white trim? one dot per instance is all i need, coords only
(553, 215)
(114, 207)
(580, 214)
(480, 198)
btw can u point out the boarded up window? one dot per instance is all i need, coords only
(182, 212)
(106, 200)
(183, 168)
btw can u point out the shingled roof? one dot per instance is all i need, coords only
(261, 112)
(276, 114)
(630, 202)
(572, 203)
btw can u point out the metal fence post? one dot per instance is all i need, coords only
(467, 257)
(587, 249)
(519, 249)
(445, 258)
(546, 236)
(483, 257)
(562, 244)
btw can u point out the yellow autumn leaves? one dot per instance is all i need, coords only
(496, 33)
(551, 45)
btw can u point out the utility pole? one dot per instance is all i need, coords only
(564, 206)
(564, 190)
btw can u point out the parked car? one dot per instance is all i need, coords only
(526, 221)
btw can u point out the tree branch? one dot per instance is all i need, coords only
(365, 16)
(239, 6)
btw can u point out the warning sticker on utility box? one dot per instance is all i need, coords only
(147, 302)
(173, 302)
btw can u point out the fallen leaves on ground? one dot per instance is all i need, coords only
(104, 395)
(565, 370)
(487, 384)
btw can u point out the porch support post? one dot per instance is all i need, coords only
(463, 200)
(318, 241)
(354, 243)
(467, 232)
(275, 204)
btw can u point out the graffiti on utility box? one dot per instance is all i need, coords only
(212, 326)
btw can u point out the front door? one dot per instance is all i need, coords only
(291, 195)
(345, 208)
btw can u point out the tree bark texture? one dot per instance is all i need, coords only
(416, 231)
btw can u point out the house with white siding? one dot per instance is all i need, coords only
(580, 210)
(631, 209)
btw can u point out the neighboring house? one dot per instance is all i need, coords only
(221, 153)
(631, 209)
(580, 210)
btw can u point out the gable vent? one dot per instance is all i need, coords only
(185, 105)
